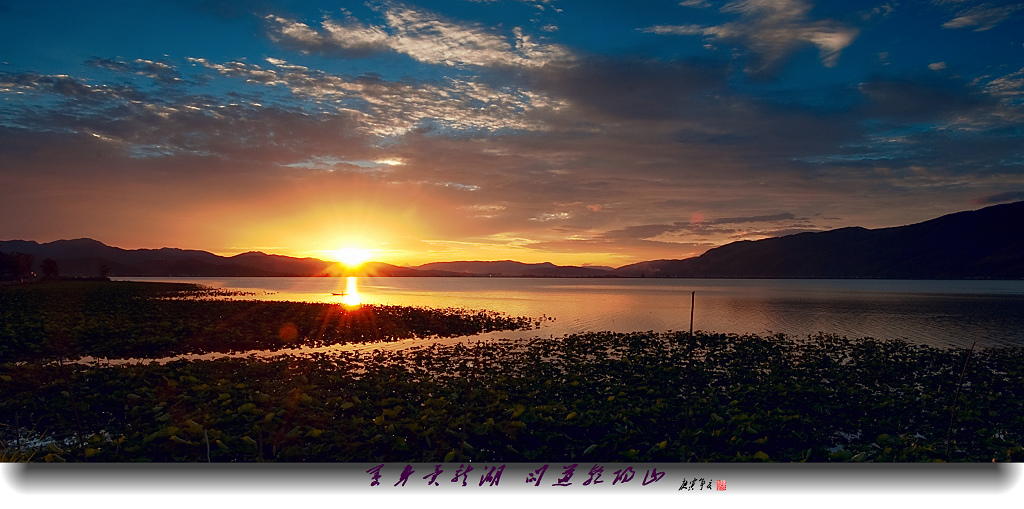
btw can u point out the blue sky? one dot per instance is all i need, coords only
(537, 130)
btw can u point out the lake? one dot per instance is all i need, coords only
(935, 313)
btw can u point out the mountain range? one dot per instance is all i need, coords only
(982, 244)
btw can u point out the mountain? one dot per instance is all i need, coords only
(88, 257)
(279, 264)
(509, 268)
(378, 269)
(980, 244)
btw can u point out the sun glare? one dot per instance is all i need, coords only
(351, 256)
(351, 297)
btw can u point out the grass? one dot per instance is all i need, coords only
(601, 397)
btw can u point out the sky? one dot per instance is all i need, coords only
(575, 132)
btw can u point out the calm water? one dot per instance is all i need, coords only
(937, 313)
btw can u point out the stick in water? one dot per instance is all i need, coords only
(952, 411)
(693, 297)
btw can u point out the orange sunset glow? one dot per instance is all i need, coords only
(350, 256)
(503, 136)
(428, 237)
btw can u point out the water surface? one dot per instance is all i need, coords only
(936, 313)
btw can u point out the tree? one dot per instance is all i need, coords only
(23, 265)
(50, 269)
(8, 266)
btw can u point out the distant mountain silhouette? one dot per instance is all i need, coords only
(88, 257)
(981, 244)
(509, 268)
(379, 269)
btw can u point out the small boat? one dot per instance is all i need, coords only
(335, 293)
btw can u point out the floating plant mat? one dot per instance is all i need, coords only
(72, 319)
(593, 397)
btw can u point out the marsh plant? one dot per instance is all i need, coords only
(645, 396)
(593, 397)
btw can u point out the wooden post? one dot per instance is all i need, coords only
(952, 410)
(688, 385)
(693, 297)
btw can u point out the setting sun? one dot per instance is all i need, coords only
(351, 256)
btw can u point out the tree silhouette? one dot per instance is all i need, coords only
(50, 269)
(23, 265)
(8, 266)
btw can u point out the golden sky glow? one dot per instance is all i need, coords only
(574, 132)
(350, 256)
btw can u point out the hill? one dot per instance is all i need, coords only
(980, 244)
(509, 268)
(88, 257)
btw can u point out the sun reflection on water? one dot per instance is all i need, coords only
(351, 296)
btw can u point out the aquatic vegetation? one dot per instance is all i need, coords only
(71, 319)
(592, 397)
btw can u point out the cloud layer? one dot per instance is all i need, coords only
(552, 136)
(423, 36)
(771, 30)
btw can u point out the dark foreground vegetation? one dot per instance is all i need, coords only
(71, 319)
(597, 397)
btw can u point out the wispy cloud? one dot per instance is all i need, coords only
(1006, 197)
(63, 85)
(772, 30)
(509, 140)
(388, 108)
(694, 231)
(982, 17)
(160, 72)
(423, 36)
(1010, 86)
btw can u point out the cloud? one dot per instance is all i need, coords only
(551, 216)
(677, 30)
(1009, 86)
(159, 71)
(147, 125)
(423, 36)
(983, 17)
(679, 239)
(346, 39)
(992, 199)
(230, 9)
(630, 89)
(756, 219)
(918, 99)
(772, 30)
(63, 85)
(289, 111)
(685, 231)
(388, 108)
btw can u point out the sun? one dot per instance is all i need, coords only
(351, 256)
